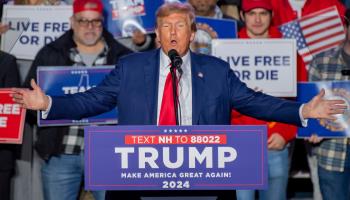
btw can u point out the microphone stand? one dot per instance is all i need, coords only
(175, 95)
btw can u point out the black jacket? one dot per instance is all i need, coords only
(9, 77)
(57, 54)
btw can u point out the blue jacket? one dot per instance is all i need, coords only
(133, 87)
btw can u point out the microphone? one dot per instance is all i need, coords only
(176, 63)
(175, 59)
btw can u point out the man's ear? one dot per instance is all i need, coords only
(71, 21)
(193, 34)
(241, 14)
(157, 34)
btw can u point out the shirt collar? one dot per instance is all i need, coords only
(165, 60)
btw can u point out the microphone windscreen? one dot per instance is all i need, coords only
(172, 53)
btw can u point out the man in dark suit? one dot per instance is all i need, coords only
(9, 77)
(208, 90)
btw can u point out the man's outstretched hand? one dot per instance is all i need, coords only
(321, 108)
(34, 99)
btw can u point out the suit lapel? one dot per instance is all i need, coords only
(151, 69)
(198, 89)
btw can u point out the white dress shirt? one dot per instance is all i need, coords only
(185, 87)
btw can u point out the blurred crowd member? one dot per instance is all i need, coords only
(86, 44)
(139, 41)
(346, 3)
(38, 2)
(27, 179)
(257, 16)
(207, 8)
(289, 10)
(9, 77)
(334, 154)
(205, 33)
(230, 7)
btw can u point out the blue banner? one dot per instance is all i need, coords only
(123, 17)
(209, 29)
(225, 28)
(326, 128)
(175, 157)
(58, 81)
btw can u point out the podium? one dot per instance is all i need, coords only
(175, 157)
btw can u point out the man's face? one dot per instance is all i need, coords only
(87, 27)
(257, 22)
(174, 32)
(203, 7)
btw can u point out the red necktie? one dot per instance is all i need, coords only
(167, 111)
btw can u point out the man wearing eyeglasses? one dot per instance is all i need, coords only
(86, 44)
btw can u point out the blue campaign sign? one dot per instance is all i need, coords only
(326, 128)
(209, 29)
(122, 17)
(175, 157)
(225, 28)
(58, 81)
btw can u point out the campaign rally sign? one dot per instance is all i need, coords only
(267, 65)
(12, 118)
(209, 29)
(326, 128)
(123, 17)
(59, 81)
(175, 157)
(31, 28)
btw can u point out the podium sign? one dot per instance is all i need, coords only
(175, 157)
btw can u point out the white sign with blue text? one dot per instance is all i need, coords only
(32, 27)
(267, 65)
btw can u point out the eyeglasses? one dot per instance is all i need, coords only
(94, 22)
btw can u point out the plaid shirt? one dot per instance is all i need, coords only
(327, 66)
(73, 140)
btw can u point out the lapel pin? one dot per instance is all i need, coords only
(200, 75)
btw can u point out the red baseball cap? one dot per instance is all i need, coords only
(83, 5)
(247, 5)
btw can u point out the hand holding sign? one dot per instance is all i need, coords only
(3, 28)
(34, 99)
(276, 142)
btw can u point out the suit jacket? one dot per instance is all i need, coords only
(133, 86)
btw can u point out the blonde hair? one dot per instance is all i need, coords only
(176, 7)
